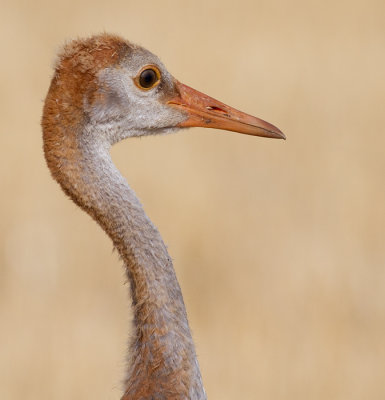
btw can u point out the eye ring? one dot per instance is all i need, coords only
(148, 77)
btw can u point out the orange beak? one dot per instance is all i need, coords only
(207, 112)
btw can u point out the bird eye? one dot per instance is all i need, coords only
(148, 78)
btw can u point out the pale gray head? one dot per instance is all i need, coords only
(133, 98)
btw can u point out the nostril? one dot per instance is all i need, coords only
(216, 109)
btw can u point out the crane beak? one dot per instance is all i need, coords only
(204, 111)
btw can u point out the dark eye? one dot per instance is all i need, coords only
(148, 78)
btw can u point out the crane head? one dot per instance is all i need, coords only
(119, 89)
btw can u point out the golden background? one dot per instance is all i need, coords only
(278, 246)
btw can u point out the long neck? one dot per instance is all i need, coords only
(163, 363)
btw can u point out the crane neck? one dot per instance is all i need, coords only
(162, 362)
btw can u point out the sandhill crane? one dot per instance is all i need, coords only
(106, 89)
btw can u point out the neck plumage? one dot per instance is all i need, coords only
(163, 363)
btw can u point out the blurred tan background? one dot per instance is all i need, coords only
(278, 246)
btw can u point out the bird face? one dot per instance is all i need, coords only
(132, 94)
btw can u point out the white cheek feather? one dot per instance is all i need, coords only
(127, 111)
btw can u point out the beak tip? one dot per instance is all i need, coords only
(276, 134)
